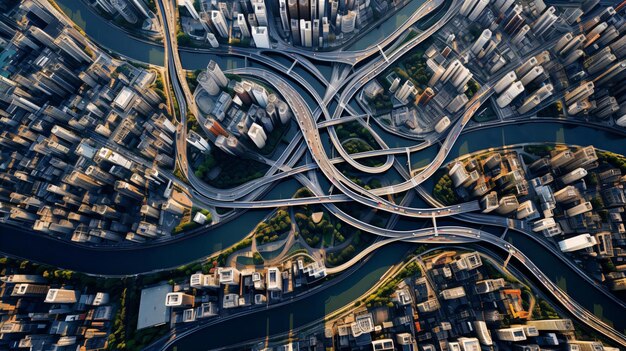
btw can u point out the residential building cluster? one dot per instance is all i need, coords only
(132, 12)
(307, 23)
(239, 115)
(86, 141)
(568, 196)
(35, 315)
(458, 305)
(461, 305)
(226, 288)
(499, 180)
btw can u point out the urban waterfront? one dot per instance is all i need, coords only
(135, 260)
(184, 192)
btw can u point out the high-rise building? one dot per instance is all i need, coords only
(579, 209)
(128, 190)
(567, 195)
(442, 124)
(488, 285)
(313, 10)
(426, 96)
(62, 296)
(507, 205)
(481, 41)
(405, 91)
(321, 8)
(504, 5)
(284, 112)
(530, 103)
(545, 21)
(510, 94)
(261, 13)
(210, 37)
(124, 9)
(69, 46)
(274, 279)
(261, 37)
(190, 8)
(228, 276)
(348, 22)
(461, 78)
(306, 33)
(457, 103)
(260, 95)
(489, 202)
(453, 67)
(543, 224)
(584, 91)
(65, 134)
(582, 158)
(459, 174)
(521, 34)
(208, 83)
(283, 12)
(333, 10)
(315, 24)
(295, 32)
(573, 44)
(497, 63)
(533, 74)
(214, 70)
(478, 10)
(257, 135)
(526, 67)
(574, 175)
(219, 23)
(467, 7)
(198, 142)
(565, 39)
(243, 25)
(27, 289)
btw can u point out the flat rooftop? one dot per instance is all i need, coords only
(152, 309)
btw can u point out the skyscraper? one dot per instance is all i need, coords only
(219, 23)
(243, 25)
(214, 70)
(261, 37)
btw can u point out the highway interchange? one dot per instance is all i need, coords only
(308, 123)
(341, 89)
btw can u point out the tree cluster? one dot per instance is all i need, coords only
(444, 191)
(272, 229)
